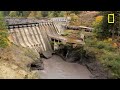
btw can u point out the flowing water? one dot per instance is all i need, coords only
(57, 68)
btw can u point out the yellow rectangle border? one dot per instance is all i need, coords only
(109, 18)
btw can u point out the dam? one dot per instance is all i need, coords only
(37, 34)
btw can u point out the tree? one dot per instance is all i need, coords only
(13, 14)
(3, 32)
(61, 14)
(74, 19)
(109, 29)
(26, 13)
(2, 23)
(56, 13)
(75, 12)
(6, 13)
(38, 14)
(50, 14)
(20, 13)
(32, 14)
(44, 13)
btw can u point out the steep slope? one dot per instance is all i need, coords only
(14, 61)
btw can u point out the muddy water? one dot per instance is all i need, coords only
(57, 68)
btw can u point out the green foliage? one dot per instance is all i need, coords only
(105, 53)
(91, 41)
(62, 13)
(44, 13)
(56, 14)
(105, 29)
(50, 14)
(101, 45)
(26, 13)
(38, 14)
(74, 19)
(31, 15)
(3, 32)
(6, 13)
(13, 14)
(112, 61)
(3, 43)
(106, 46)
(2, 23)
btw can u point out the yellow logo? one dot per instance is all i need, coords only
(110, 18)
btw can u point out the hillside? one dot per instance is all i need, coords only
(14, 61)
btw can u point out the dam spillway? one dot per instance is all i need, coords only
(36, 35)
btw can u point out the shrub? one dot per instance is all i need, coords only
(38, 14)
(112, 61)
(3, 43)
(74, 19)
(106, 46)
(91, 41)
(13, 14)
(3, 32)
(100, 45)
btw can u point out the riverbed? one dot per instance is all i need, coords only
(56, 68)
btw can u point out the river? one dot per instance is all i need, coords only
(56, 68)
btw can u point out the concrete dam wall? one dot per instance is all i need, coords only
(37, 34)
(34, 36)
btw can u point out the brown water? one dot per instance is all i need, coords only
(57, 68)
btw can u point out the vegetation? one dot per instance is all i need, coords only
(105, 29)
(32, 14)
(105, 52)
(105, 41)
(14, 66)
(13, 14)
(39, 14)
(3, 32)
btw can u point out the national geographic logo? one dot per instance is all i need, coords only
(110, 18)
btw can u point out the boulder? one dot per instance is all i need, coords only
(47, 54)
(36, 65)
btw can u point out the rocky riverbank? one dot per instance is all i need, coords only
(81, 56)
(15, 63)
(56, 68)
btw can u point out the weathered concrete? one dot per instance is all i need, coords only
(37, 36)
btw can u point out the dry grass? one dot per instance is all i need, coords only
(87, 18)
(14, 61)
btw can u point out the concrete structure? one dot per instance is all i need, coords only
(37, 36)
(59, 21)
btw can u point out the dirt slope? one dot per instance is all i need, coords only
(14, 61)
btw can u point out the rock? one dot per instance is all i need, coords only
(82, 36)
(70, 59)
(32, 75)
(47, 54)
(37, 65)
(56, 46)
